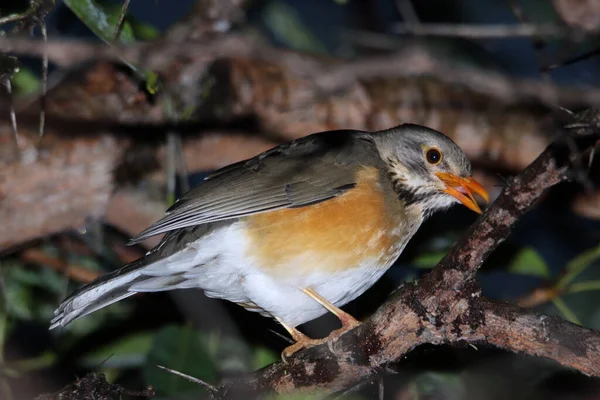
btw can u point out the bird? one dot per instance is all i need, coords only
(298, 230)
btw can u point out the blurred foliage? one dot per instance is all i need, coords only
(126, 352)
(26, 82)
(184, 350)
(529, 262)
(286, 25)
(102, 20)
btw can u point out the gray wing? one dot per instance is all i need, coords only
(306, 171)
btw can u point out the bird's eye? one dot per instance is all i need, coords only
(433, 156)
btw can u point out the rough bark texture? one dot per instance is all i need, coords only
(70, 182)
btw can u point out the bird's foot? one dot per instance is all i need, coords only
(303, 342)
(347, 320)
(348, 323)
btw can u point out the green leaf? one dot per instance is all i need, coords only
(139, 29)
(43, 361)
(3, 329)
(428, 260)
(127, 352)
(578, 265)
(263, 357)
(101, 20)
(20, 301)
(142, 30)
(529, 262)
(565, 310)
(286, 24)
(25, 82)
(184, 350)
(431, 384)
(152, 83)
(586, 286)
(92, 322)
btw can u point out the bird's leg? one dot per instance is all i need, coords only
(302, 341)
(347, 320)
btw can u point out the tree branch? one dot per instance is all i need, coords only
(481, 31)
(75, 177)
(446, 307)
(329, 77)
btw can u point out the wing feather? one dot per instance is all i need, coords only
(306, 171)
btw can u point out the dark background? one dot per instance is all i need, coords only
(127, 340)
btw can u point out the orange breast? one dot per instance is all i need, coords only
(333, 235)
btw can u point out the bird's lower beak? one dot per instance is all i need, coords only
(462, 189)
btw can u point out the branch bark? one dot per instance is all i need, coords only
(76, 178)
(445, 307)
(327, 75)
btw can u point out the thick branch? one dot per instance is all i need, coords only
(398, 327)
(522, 331)
(73, 179)
(495, 225)
(69, 183)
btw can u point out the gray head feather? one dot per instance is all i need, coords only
(404, 149)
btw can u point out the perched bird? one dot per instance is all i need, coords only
(300, 229)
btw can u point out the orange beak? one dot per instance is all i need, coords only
(462, 189)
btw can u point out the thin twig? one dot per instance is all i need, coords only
(537, 41)
(76, 272)
(13, 117)
(121, 20)
(171, 168)
(44, 82)
(373, 40)
(182, 171)
(573, 60)
(200, 382)
(281, 336)
(481, 31)
(14, 17)
(407, 11)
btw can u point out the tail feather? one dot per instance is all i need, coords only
(98, 294)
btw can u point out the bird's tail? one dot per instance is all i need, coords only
(98, 294)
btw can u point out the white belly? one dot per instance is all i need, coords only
(286, 301)
(218, 264)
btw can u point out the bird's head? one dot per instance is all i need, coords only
(428, 169)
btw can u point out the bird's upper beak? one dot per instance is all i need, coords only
(462, 189)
